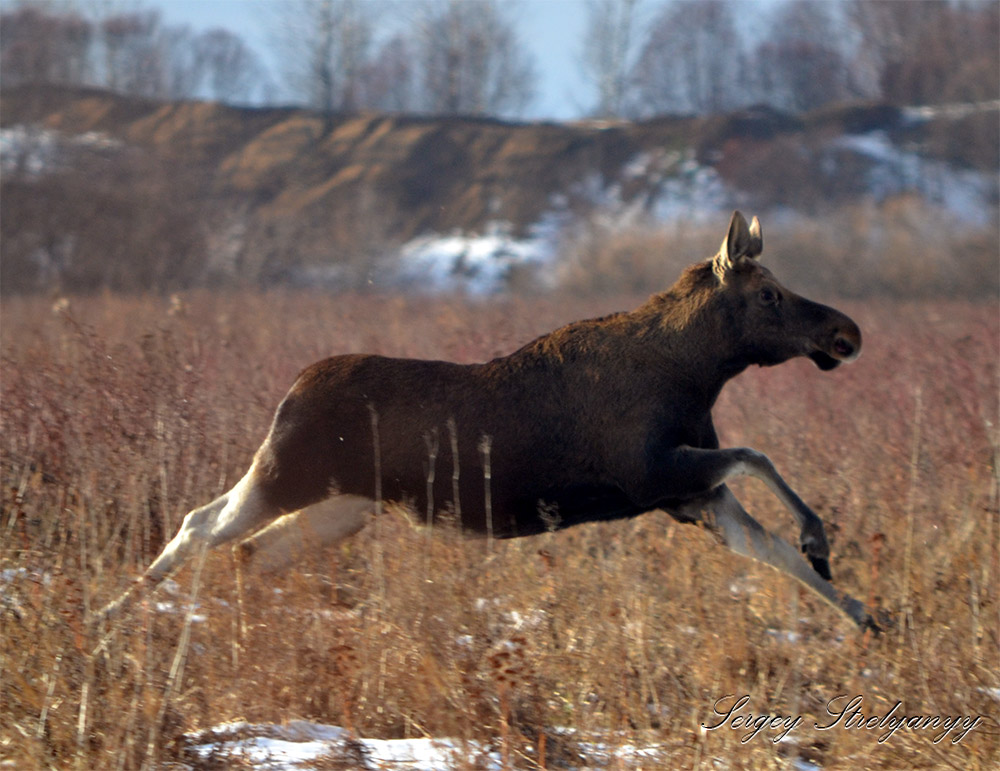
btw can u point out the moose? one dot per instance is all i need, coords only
(601, 419)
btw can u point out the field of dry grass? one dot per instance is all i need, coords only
(120, 414)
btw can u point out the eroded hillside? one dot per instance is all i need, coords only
(261, 194)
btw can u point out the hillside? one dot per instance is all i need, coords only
(211, 193)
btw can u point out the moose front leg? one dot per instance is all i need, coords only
(812, 535)
(693, 472)
(722, 514)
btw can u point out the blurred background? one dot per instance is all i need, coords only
(487, 147)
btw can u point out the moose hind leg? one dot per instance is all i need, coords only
(234, 515)
(728, 520)
(179, 548)
(306, 532)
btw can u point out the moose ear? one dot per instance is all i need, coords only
(742, 241)
(756, 239)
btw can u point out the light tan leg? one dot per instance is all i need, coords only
(235, 514)
(306, 532)
(693, 469)
(727, 519)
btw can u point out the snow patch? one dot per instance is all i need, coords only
(666, 186)
(476, 263)
(34, 150)
(697, 194)
(299, 743)
(967, 195)
(679, 188)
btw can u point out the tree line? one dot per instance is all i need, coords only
(709, 56)
(640, 57)
(131, 52)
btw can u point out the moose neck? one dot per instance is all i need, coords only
(694, 328)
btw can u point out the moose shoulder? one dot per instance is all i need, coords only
(598, 420)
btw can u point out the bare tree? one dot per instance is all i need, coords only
(470, 60)
(39, 46)
(130, 52)
(389, 78)
(324, 45)
(928, 52)
(457, 56)
(231, 70)
(692, 60)
(183, 70)
(134, 60)
(801, 64)
(954, 57)
(607, 52)
(886, 30)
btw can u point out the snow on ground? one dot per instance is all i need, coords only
(965, 194)
(674, 187)
(36, 150)
(955, 111)
(679, 189)
(299, 743)
(477, 263)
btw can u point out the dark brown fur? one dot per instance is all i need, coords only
(581, 422)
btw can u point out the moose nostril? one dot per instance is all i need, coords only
(843, 347)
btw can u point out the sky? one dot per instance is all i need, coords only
(553, 30)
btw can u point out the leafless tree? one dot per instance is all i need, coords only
(40, 46)
(886, 30)
(928, 52)
(325, 45)
(135, 62)
(389, 78)
(608, 52)
(470, 60)
(231, 70)
(183, 70)
(801, 64)
(692, 60)
(954, 57)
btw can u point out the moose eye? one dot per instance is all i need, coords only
(768, 296)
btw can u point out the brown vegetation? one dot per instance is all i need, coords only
(121, 413)
(901, 249)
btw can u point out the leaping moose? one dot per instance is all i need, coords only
(600, 420)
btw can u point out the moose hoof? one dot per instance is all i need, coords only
(821, 566)
(879, 622)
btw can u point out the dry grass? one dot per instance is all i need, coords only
(902, 248)
(120, 414)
